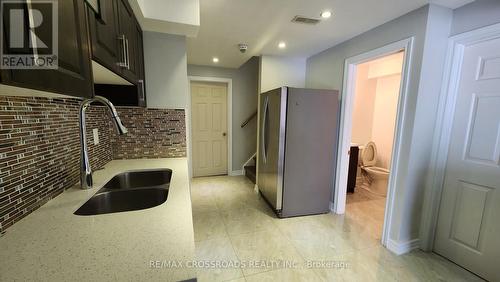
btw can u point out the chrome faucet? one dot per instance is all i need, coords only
(85, 170)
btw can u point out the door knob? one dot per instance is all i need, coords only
(224, 134)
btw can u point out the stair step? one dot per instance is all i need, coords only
(251, 172)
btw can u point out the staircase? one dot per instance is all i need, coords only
(251, 165)
(251, 169)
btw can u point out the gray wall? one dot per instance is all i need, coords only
(325, 70)
(429, 26)
(245, 90)
(165, 64)
(477, 14)
(431, 78)
(277, 71)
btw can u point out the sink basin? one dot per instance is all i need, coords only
(129, 191)
(139, 179)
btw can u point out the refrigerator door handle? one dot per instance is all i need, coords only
(263, 135)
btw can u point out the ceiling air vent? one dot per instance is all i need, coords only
(304, 20)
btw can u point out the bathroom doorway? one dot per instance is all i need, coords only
(372, 105)
(376, 95)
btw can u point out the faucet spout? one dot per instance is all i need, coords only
(86, 180)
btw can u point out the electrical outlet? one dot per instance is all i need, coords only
(95, 131)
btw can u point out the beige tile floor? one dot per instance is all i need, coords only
(232, 225)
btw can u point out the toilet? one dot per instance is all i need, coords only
(377, 175)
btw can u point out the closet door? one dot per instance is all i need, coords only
(468, 225)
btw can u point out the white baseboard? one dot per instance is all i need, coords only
(400, 248)
(236, 173)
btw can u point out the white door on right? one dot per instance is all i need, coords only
(468, 230)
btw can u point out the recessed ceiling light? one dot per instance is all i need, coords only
(282, 45)
(215, 59)
(326, 14)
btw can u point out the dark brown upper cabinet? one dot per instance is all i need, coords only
(117, 45)
(104, 35)
(128, 38)
(73, 75)
(116, 36)
(141, 97)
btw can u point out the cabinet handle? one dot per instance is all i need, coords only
(127, 58)
(263, 130)
(142, 94)
(123, 63)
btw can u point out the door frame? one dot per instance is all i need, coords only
(229, 83)
(346, 117)
(443, 128)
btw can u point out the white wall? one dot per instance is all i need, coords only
(364, 101)
(276, 71)
(384, 117)
(165, 63)
(375, 105)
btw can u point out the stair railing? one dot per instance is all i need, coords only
(247, 121)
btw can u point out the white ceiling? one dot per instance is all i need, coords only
(168, 16)
(263, 23)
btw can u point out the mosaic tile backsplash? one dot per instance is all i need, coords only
(152, 133)
(40, 147)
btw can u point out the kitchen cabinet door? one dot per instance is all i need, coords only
(104, 35)
(128, 40)
(141, 82)
(73, 74)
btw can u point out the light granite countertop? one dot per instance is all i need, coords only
(53, 244)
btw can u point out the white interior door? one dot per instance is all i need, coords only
(468, 229)
(209, 128)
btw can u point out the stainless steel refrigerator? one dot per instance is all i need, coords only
(297, 149)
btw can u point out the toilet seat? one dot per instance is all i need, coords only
(369, 156)
(377, 170)
(378, 175)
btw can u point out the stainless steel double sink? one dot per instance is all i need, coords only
(129, 191)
